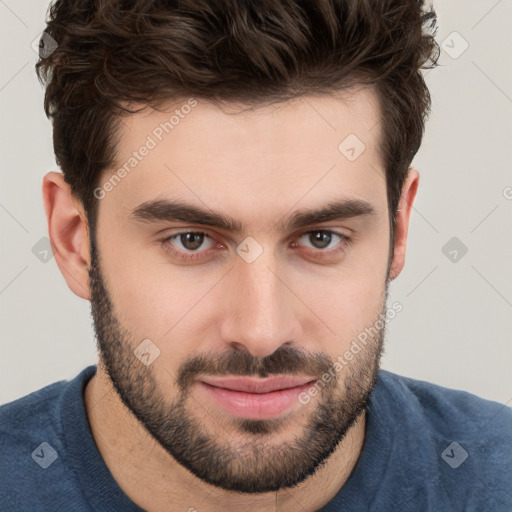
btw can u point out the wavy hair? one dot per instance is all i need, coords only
(115, 53)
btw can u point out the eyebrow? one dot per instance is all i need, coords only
(169, 211)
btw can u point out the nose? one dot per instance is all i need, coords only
(261, 312)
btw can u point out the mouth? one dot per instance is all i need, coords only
(255, 398)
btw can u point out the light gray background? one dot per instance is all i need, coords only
(457, 316)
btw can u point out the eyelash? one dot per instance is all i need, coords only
(167, 245)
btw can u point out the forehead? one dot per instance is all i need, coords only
(268, 158)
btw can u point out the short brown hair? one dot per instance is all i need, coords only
(113, 53)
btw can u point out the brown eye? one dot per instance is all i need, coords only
(190, 241)
(187, 244)
(321, 239)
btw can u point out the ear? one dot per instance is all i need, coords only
(402, 222)
(68, 232)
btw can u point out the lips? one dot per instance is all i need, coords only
(257, 385)
(254, 398)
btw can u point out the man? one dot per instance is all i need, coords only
(235, 199)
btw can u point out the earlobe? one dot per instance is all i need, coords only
(68, 233)
(403, 215)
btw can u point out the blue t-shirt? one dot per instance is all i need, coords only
(427, 448)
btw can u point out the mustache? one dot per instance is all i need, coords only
(285, 360)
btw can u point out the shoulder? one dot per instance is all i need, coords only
(34, 466)
(31, 413)
(466, 439)
(449, 411)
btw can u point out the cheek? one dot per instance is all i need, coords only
(351, 297)
(153, 298)
(131, 280)
(158, 300)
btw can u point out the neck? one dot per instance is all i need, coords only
(153, 480)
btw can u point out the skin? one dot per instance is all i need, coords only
(257, 167)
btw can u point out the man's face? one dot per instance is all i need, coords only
(270, 299)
